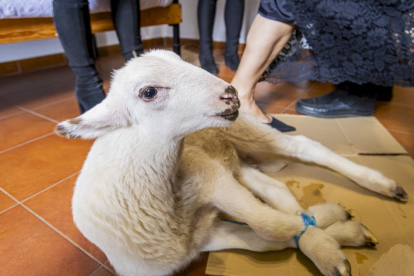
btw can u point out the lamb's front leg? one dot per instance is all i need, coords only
(251, 137)
(234, 199)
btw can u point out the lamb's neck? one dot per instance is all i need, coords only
(155, 174)
(159, 158)
(146, 175)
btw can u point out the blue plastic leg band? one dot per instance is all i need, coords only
(307, 220)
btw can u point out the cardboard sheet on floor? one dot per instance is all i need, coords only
(391, 222)
(346, 135)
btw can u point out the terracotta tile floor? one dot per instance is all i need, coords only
(38, 169)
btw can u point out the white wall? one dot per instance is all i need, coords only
(188, 29)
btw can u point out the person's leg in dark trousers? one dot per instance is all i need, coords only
(206, 14)
(127, 21)
(72, 23)
(233, 16)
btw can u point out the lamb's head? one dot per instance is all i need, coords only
(159, 93)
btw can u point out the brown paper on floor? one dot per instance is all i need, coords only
(346, 135)
(391, 222)
(399, 260)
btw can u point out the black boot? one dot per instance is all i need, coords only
(384, 93)
(89, 90)
(206, 14)
(72, 23)
(233, 16)
(348, 100)
(126, 16)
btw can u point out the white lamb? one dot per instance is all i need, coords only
(167, 159)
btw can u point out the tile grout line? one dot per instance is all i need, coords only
(36, 194)
(399, 131)
(396, 104)
(286, 108)
(96, 270)
(51, 226)
(50, 187)
(273, 105)
(12, 197)
(27, 142)
(11, 207)
(60, 233)
(105, 268)
(37, 114)
(11, 115)
(108, 270)
(312, 86)
(53, 102)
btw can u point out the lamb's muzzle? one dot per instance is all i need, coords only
(230, 98)
(230, 92)
(230, 115)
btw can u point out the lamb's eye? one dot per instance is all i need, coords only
(149, 93)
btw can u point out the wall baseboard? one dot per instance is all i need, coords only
(36, 63)
(221, 45)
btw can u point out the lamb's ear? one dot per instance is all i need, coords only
(94, 123)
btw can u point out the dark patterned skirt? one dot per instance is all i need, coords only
(362, 41)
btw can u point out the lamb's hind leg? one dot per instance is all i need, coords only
(277, 195)
(234, 199)
(250, 136)
(270, 224)
(225, 235)
(329, 216)
(322, 247)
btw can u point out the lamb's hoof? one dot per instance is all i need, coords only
(370, 240)
(348, 215)
(400, 194)
(344, 269)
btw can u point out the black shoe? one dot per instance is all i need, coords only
(232, 61)
(89, 98)
(88, 90)
(208, 64)
(337, 104)
(132, 54)
(276, 124)
(384, 93)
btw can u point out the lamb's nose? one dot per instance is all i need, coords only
(230, 93)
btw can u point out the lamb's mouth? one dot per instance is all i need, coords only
(230, 115)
